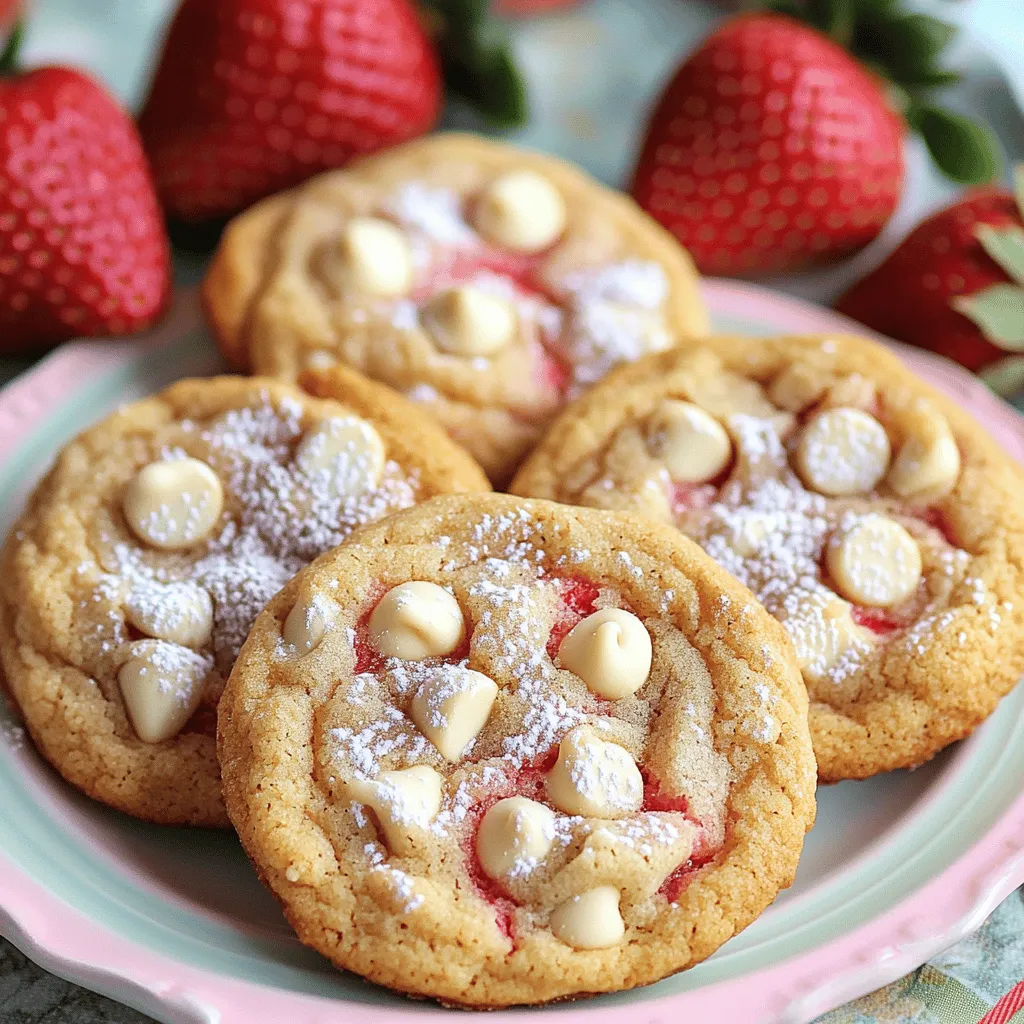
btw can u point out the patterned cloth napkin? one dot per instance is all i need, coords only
(978, 981)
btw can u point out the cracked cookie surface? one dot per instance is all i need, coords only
(872, 516)
(131, 580)
(487, 283)
(501, 752)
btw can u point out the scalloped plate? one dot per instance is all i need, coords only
(174, 923)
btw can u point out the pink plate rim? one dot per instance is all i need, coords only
(949, 907)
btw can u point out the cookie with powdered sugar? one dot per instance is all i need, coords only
(489, 284)
(869, 514)
(496, 751)
(131, 581)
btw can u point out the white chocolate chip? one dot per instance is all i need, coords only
(179, 612)
(320, 359)
(521, 210)
(402, 800)
(591, 920)
(610, 651)
(348, 450)
(514, 834)
(693, 445)
(594, 778)
(468, 321)
(747, 530)
(417, 620)
(852, 392)
(843, 452)
(174, 503)
(308, 622)
(824, 634)
(797, 387)
(377, 257)
(928, 460)
(162, 685)
(874, 562)
(451, 707)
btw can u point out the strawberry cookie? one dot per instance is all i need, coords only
(130, 582)
(487, 283)
(868, 513)
(496, 751)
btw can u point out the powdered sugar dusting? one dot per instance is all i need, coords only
(283, 512)
(404, 891)
(434, 212)
(614, 316)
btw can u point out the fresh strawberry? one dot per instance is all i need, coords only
(253, 96)
(956, 285)
(83, 250)
(773, 148)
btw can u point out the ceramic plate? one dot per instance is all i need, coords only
(174, 922)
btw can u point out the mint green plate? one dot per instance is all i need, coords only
(174, 922)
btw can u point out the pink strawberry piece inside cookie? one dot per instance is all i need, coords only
(418, 639)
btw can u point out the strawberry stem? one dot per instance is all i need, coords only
(9, 57)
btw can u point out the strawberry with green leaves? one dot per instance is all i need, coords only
(955, 285)
(779, 143)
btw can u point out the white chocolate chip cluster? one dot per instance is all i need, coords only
(466, 273)
(401, 255)
(812, 489)
(487, 687)
(206, 531)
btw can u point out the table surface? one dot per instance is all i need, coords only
(592, 119)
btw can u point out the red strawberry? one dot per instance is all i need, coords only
(9, 10)
(83, 249)
(771, 148)
(252, 96)
(956, 283)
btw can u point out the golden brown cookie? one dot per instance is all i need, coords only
(872, 516)
(490, 284)
(130, 582)
(497, 752)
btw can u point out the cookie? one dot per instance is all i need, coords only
(487, 283)
(499, 752)
(131, 580)
(871, 515)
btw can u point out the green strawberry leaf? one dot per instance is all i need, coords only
(490, 81)
(477, 59)
(1018, 187)
(907, 45)
(999, 313)
(466, 14)
(1006, 247)
(12, 49)
(788, 7)
(964, 151)
(934, 79)
(868, 7)
(1005, 377)
(836, 18)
